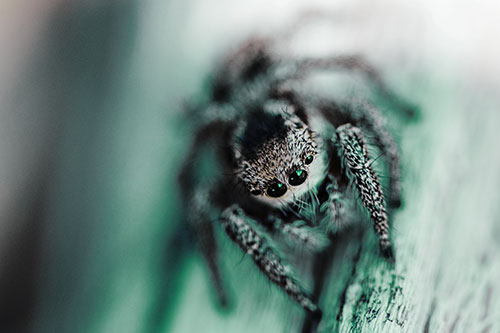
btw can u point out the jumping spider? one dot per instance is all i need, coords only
(289, 161)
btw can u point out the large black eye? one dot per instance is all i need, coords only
(276, 189)
(309, 159)
(297, 177)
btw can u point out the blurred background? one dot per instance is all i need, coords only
(92, 135)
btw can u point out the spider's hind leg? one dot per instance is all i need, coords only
(201, 222)
(200, 208)
(357, 164)
(251, 60)
(357, 63)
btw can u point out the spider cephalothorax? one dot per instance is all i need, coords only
(275, 151)
(288, 162)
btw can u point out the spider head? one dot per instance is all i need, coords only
(278, 155)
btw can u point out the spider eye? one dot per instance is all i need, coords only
(256, 192)
(276, 189)
(297, 177)
(309, 159)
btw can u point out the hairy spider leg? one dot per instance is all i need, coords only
(198, 207)
(256, 57)
(371, 119)
(199, 217)
(363, 114)
(357, 165)
(237, 227)
(356, 62)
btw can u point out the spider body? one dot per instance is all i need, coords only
(288, 162)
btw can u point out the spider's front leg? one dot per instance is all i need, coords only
(357, 164)
(237, 226)
(364, 114)
(371, 119)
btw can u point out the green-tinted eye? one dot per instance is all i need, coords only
(276, 189)
(309, 159)
(297, 177)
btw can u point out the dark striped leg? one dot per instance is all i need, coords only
(198, 206)
(352, 148)
(354, 62)
(236, 225)
(370, 118)
(202, 225)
